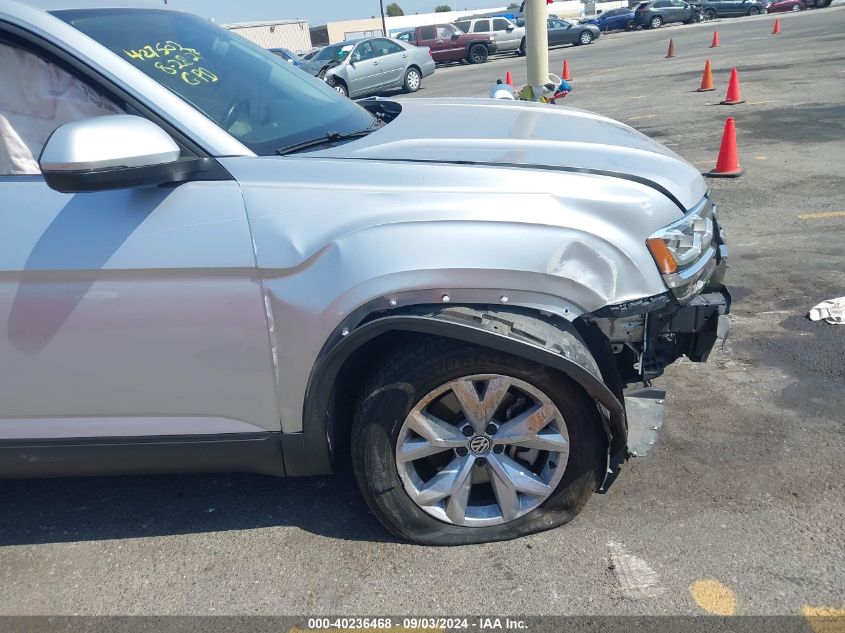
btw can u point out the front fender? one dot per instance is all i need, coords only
(338, 240)
(309, 452)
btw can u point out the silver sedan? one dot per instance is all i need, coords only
(365, 66)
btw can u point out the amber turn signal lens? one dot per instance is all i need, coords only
(662, 255)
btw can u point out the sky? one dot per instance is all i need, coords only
(315, 11)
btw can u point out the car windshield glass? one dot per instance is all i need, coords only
(260, 99)
(338, 52)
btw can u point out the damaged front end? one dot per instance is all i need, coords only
(649, 334)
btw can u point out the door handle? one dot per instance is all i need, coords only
(375, 63)
(404, 55)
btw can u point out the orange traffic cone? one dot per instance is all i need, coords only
(776, 30)
(733, 97)
(671, 52)
(715, 42)
(727, 165)
(566, 71)
(706, 78)
(509, 79)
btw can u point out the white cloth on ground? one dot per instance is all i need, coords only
(832, 311)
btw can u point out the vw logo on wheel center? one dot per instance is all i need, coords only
(480, 444)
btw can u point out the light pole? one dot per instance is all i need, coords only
(537, 44)
(383, 20)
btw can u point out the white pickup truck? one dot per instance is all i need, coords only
(509, 37)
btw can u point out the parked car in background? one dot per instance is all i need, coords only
(287, 55)
(565, 32)
(730, 8)
(613, 20)
(309, 54)
(780, 6)
(356, 68)
(448, 43)
(509, 37)
(655, 13)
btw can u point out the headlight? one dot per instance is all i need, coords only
(684, 251)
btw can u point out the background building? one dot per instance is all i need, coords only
(292, 34)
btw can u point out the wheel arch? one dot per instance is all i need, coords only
(335, 77)
(473, 44)
(327, 410)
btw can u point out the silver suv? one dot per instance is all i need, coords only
(509, 36)
(212, 261)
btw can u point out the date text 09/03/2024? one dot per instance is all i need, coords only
(417, 624)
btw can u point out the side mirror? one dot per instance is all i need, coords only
(111, 152)
(455, 35)
(509, 28)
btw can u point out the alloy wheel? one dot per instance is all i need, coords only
(482, 450)
(413, 80)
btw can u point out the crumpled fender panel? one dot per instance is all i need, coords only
(513, 331)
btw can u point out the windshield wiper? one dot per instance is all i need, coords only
(331, 137)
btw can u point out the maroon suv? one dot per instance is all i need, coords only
(449, 44)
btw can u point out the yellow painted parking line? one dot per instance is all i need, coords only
(644, 116)
(824, 619)
(761, 158)
(713, 596)
(822, 214)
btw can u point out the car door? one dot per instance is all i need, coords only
(363, 70)
(507, 37)
(393, 59)
(450, 40)
(671, 12)
(743, 7)
(125, 313)
(569, 33)
(663, 8)
(557, 32)
(622, 19)
(428, 36)
(727, 8)
(683, 11)
(607, 20)
(481, 26)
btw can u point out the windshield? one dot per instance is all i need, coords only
(261, 100)
(338, 52)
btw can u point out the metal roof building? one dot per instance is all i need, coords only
(292, 34)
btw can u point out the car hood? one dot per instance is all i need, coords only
(525, 135)
(314, 67)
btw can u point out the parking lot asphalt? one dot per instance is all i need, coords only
(739, 509)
